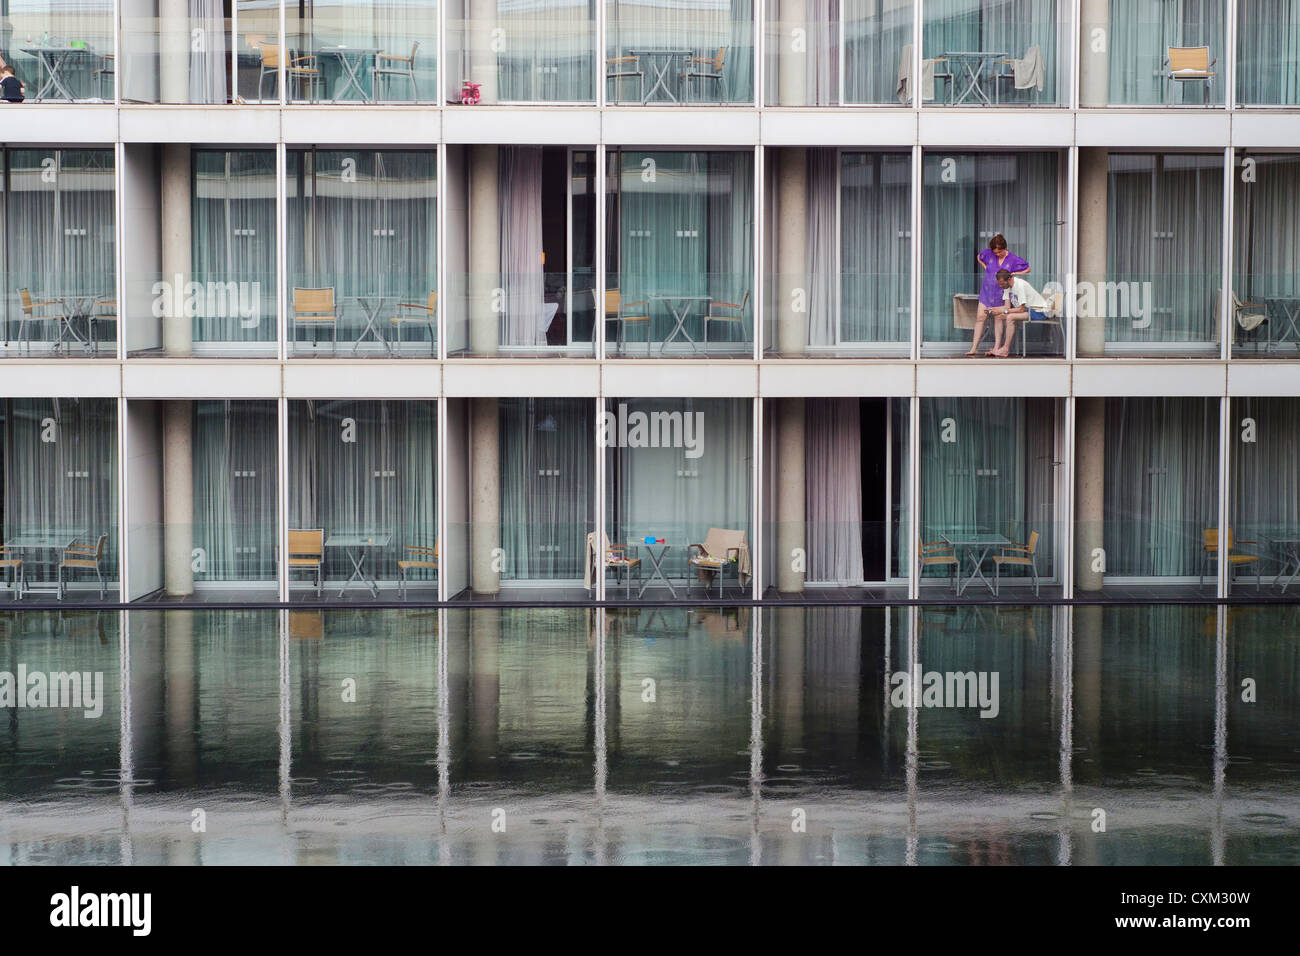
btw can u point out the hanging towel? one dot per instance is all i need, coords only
(1030, 72)
(905, 77)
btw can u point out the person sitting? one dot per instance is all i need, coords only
(1020, 301)
(997, 256)
(12, 90)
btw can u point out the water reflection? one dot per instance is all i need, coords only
(711, 735)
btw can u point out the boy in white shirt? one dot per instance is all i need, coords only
(1021, 302)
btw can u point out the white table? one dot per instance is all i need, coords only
(57, 540)
(371, 305)
(351, 60)
(679, 306)
(78, 306)
(975, 543)
(660, 62)
(656, 569)
(54, 60)
(357, 546)
(974, 63)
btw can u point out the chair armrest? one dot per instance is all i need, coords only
(622, 59)
(420, 549)
(295, 61)
(726, 305)
(80, 551)
(393, 56)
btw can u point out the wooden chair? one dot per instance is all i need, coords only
(426, 314)
(315, 308)
(83, 558)
(616, 310)
(938, 554)
(721, 548)
(1189, 64)
(306, 625)
(625, 67)
(107, 68)
(616, 557)
(402, 67)
(731, 312)
(418, 557)
(13, 568)
(28, 315)
(307, 553)
(105, 310)
(1020, 555)
(707, 68)
(1210, 545)
(299, 67)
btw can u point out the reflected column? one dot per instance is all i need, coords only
(756, 736)
(1086, 694)
(179, 711)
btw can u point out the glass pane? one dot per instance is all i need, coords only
(60, 253)
(679, 241)
(1264, 501)
(1153, 53)
(679, 52)
(970, 200)
(362, 240)
(1265, 308)
(1268, 52)
(178, 59)
(505, 51)
(60, 51)
(989, 53)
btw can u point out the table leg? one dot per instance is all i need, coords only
(656, 571)
(1292, 557)
(56, 67)
(679, 327)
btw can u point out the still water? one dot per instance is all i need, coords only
(1158, 735)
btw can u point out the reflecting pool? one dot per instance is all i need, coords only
(935, 735)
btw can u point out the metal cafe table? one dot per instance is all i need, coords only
(977, 545)
(351, 61)
(656, 568)
(371, 305)
(54, 61)
(680, 307)
(357, 546)
(975, 66)
(660, 62)
(44, 542)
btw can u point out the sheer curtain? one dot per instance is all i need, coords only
(730, 238)
(1140, 36)
(209, 58)
(60, 470)
(992, 474)
(833, 490)
(235, 489)
(1161, 485)
(363, 223)
(368, 468)
(820, 264)
(1268, 38)
(1266, 240)
(662, 493)
(1264, 498)
(700, 26)
(391, 26)
(875, 33)
(61, 204)
(968, 199)
(547, 493)
(233, 233)
(549, 56)
(522, 270)
(1009, 27)
(875, 247)
(1165, 215)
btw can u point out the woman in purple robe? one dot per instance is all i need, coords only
(995, 257)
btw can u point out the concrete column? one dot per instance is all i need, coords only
(791, 526)
(178, 332)
(174, 51)
(793, 68)
(482, 58)
(178, 498)
(1093, 186)
(485, 495)
(1094, 58)
(1089, 491)
(484, 251)
(792, 252)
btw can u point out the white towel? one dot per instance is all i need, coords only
(904, 90)
(1030, 71)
